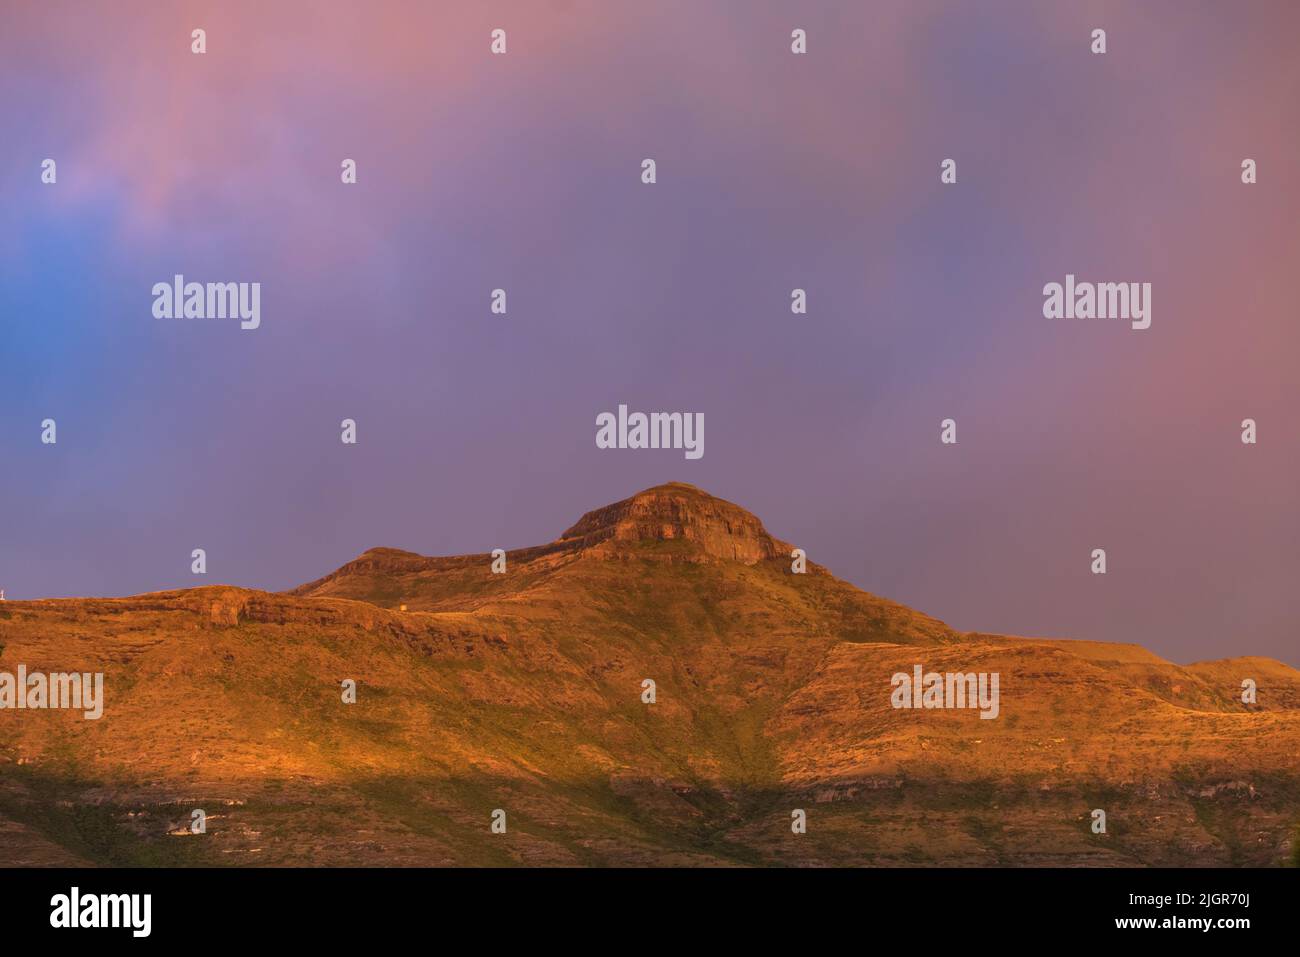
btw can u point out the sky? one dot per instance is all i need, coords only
(775, 171)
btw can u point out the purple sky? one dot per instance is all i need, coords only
(774, 171)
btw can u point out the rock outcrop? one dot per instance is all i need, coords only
(678, 512)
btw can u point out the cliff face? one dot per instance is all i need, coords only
(526, 691)
(680, 513)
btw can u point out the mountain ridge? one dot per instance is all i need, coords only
(525, 691)
(673, 512)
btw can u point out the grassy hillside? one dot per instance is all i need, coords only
(523, 692)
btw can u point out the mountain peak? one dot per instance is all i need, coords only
(674, 512)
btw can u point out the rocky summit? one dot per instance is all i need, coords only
(657, 686)
(677, 513)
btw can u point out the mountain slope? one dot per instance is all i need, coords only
(523, 692)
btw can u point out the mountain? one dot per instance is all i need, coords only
(523, 692)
